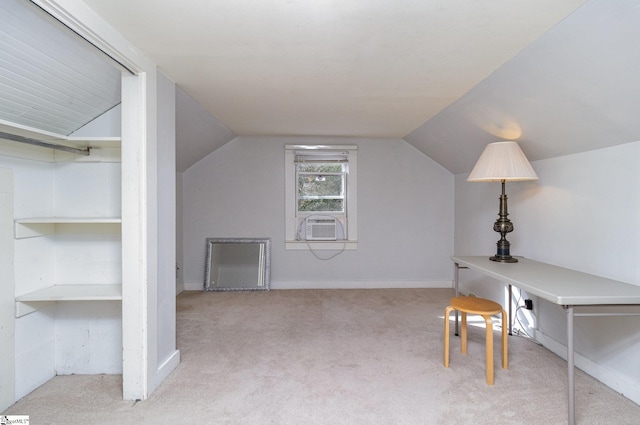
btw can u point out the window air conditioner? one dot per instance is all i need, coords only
(321, 229)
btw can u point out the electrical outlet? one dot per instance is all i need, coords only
(528, 304)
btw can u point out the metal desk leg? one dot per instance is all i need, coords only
(456, 269)
(570, 365)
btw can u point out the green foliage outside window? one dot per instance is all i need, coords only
(321, 187)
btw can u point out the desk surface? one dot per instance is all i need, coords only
(556, 284)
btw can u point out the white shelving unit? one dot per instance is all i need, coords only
(69, 220)
(103, 149)
(75, 293)
(33, 301)
(41, 226)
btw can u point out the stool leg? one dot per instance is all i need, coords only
(463, 333)
(489, 349)
(447, 312)
(505, 350)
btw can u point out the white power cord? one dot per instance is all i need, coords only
(344, 242)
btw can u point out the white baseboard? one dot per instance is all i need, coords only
(365, 284)
(611, 378)
(193, 286)
(165, 369)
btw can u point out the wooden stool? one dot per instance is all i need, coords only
(486, 309)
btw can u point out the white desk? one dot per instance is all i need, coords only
(565, 287)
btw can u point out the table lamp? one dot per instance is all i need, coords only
(502, 161)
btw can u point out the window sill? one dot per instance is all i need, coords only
(322, 245)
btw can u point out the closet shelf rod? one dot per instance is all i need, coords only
(27, 140)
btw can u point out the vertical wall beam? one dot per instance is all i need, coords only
(134, 250)
(7, 294)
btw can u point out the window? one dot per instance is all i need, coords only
(321, 185)
(321, 195)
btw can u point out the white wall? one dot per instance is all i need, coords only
(198, 133)
(179, 236)
(88, 335)
(405, 214)
(7, 302)
(166, 288)
(106, 125)
(35, 351)
(584, 214)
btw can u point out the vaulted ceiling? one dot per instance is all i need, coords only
(448, 76)
(575, 89)
(51, 79)
(371, 68)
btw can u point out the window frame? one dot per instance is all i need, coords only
(294, 219)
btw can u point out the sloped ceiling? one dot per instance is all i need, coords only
(361, 68)
(51, 79)
(448, 76)
(197, 132)
(575, 89)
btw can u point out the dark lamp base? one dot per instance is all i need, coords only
(503, 259)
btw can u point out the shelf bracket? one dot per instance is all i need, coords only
(33, 230)
(23, 308)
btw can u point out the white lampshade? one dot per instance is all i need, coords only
(502, 161)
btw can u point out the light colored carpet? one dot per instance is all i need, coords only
(332, 357)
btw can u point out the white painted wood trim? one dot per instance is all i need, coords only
(33, 230)
(7, 283)
(24, 308)
(366, 284)
(180, 288)
(134, 231)
(193, 286)
(95, 141)
(36, 300)
(47, 136)
(612, 378)
(41, 226)
(76, 292)
(88, 24)
(70, 220)
(166, 368)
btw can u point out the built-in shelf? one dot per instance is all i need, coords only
(40, 226)
(49, 137)
(94, 142)
(69, 220)
(31, 143)
(79, 292)
(32, 301)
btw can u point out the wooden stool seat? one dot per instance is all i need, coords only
(486, 309)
